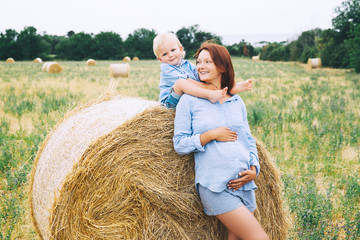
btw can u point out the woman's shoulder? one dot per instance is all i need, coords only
(187, 97)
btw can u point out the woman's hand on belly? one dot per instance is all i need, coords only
(221, 134)
(244, 177)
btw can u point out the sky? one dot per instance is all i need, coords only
(233, 20)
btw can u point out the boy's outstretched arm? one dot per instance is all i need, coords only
(198, 89)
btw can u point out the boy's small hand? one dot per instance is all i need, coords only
(216, 95)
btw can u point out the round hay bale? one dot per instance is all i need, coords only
(109, 171)
(255, 58)
(37, 60)
(119, 70)
(314, 63)
(10, 60)
(126, 59)
(54, 67)
(270, 211)
(135, 59)
(91, 62)
(44, 66)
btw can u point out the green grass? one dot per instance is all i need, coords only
(307, 119)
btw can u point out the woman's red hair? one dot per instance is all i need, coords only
(222, 61)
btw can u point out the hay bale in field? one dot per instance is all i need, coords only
(10, 60)
(91, 62)
(135, 59)
(37, 60)
(270, 211)
(119, 70)
(53, 67)
(126, 59)
(314, 63)
(109, 171)
(255, 58)
(44, 66)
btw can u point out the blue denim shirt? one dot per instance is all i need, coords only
(216, 163)
(170, 74)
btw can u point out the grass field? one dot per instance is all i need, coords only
(307, 119)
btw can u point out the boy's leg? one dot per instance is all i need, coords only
(242, 86)
(198, 89)
(171, 100)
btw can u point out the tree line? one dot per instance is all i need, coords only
(338, 47)
(28, 44)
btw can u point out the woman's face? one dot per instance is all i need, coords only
(206, 68)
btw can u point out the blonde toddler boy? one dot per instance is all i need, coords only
(179, 76)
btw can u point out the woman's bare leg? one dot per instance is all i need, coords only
(232, 236)
(243, 224)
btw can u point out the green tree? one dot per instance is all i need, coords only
(334, 52)
(52, 41)
(8, 45)
(32, 45)
(191, 38)
(341, 43)
(305, 46)
(140, 44)
(348, 17)
(275, 52)
(242, 49)
(187, 38)
(80, 46)
(354, 43)
(108, 45)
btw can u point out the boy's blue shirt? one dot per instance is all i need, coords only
(170, 74)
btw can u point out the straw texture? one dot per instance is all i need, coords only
(64, 146)
(44, 66)
(10, 60)
(91, 62)
(54, 67)
(255, 58)
(127, 182)
(314, 63)
(126, 59)
(37, 60)
(119, 70)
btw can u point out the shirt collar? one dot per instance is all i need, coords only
(234, 97)
(182, 62)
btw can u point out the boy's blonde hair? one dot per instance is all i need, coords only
(161, 38)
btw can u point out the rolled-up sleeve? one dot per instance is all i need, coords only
(184, 140)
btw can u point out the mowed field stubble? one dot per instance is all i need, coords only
(307, 119)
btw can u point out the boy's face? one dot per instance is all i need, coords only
(170, 53)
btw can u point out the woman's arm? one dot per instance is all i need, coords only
(184, 140)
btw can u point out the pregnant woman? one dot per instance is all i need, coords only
(226, 161)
